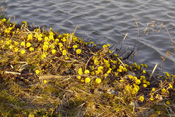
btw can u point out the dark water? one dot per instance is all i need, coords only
(107, 21)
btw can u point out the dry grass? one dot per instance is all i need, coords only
(44, 73)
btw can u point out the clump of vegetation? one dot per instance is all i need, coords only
(52, 74)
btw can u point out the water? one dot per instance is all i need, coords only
(106, 21)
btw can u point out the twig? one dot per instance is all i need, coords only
(121, 62)
(153, 71)
(10, 72)
(123, 42)
(170, 37)
(46, 77)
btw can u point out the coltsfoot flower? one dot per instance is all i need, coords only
(79, 77)
(30, 37)
(31, 49)
(138, 81)
(28, 44)
(80, 71)
(22, 43)
(23, 51)
(98, 80)
(75, 46)
(64, 52)
(37, 71)
(145, 85)
(141, 98)
(45, 47)
(78, 51)
(53, 51)
(16, 49)
(86, 71)
(87, 80)
(45, 81)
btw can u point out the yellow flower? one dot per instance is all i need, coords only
(167, 74)
(37, 71)
(28, 44)
(147, 82)
(115, 55)
(59, 36)
(87, 80)
(75, 46)
(135, 78)
(108, 45)
(119, 70)
(16, 49)
(30, 37)
(153, 89)
(125, 69)
(51, 33)
(80, 71)
(3, 20)
(145, 65)
(22, 43)
(93, 73)
(170, 86)
(144, 71)
(2, 41)
(46, 39)
(78, 51)
(66, 57)
(40, 38)
(133, 92)
(142, 77)
(104, 46)
(98, 80)
(145, 85)
(11, 46)
(52, 46)
(56, 40)
(64, 39)
(23, 51)
(151, 98)
(16, 43)
(60, 45)
(138, 81)
(96, 62)
(100, 68)
(45, 81)
(64, 52)
(128, 87)
(31, 49)
(46, 43)
(53, 51)
(109, 71)
(110, 51)
(8, 42)
(45, 47)
(141, 98)
(116, 74)
(167, 102)
(163, 90)
(86, 72)
(79, 77)
(43, 56)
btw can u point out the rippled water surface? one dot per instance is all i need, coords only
(107, 21)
